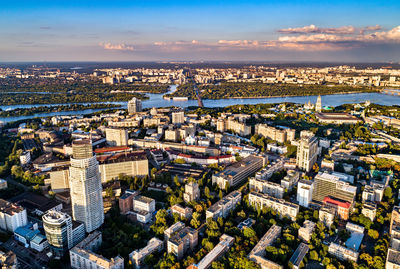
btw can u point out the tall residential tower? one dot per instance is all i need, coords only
(85, 186)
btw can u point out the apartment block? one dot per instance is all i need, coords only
(224, 206)
(236, 173)
(117, 137)
(192, 192)
(12, 216)
(327, 215)
(280, 134)
(290, 179)
(266, 187)
(342, 253)
(307, 151)
(270, 169)
(182, 241)
(369, 210)
(225, 242)
(257, 254)
(284, 208)
(230, 124)
(304, 192)
(143, 208)
(298, 256)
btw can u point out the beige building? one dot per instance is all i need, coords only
(192, 192)
(182, 212)
(306, 231)
(266, 187)
(182, 241)
(307, 151)
(137, 257)
(280, 135)
(85, 186)
(172, 135)
(233, 125)
(116, 137)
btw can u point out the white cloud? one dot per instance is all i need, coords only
(121, 46)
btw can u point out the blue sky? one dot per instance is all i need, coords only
(200, 30)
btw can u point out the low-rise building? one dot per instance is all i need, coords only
(337, 118)
(126, 201)
(83, 255)
(369, 210)
(224, 206)
(30, 236)
(137, 257)
(143, 208)
(283, 207)
(306, 231)
(327, 216)
(183, 212)
(342, 208)
(290, 179)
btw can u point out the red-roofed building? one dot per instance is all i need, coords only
(342, 208)
(112, 149)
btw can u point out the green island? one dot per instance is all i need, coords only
(258, 90)
(48, 109)
(34, 91)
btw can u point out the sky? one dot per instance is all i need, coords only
(191, 30)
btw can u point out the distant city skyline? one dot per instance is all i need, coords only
(295, 31)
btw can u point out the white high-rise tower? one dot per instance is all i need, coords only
(85, 186)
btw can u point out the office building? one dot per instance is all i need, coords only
(280, 134)
(304, 192)
(333, 185)
(224, 206)
(284, 208)
(257, 254)
(134, 105)
(61, 231)
(266, 187)
(83, 255)
(181, 241)
(225, 242)
(116, 137)
(12, 216)
(30, 236)
(192, 192)
(307, 151)
(238, 172)
(137, 257)
(85, 186)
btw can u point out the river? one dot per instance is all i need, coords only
(157, 100)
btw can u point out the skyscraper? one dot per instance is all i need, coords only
(85, 186)
(134, 105)
(318, 104)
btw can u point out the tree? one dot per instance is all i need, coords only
(314, 255)
(207, 192)
(388, 193)
(373, 234)
(249, 233)
(195, 222)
